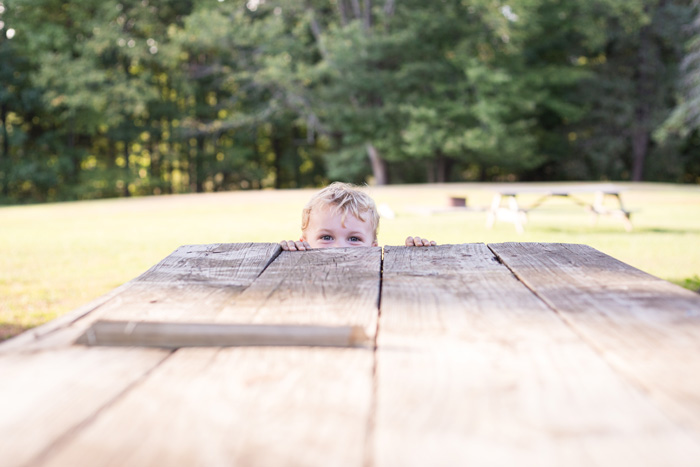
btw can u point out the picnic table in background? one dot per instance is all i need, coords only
(505, 206)
(472, 354)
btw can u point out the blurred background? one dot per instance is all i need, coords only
(239, 110)
(105, 98)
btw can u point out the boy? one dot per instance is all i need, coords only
(341, 215)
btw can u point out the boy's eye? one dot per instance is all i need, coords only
(326, 237)
(355, 239)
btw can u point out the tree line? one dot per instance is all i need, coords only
(104, 98)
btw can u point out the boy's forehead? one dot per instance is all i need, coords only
(334, 212)
(331, 210)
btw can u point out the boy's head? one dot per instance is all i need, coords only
(340, 215)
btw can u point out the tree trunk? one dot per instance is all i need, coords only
(73, 154)
(111, 154)
(341, 12)
(198, 158)
(277, 148)
(168, 165)
(5, 147)
(126, 169)
(640, 147)
(389, 7)
(430, 171)
(191, 167)
(645, 94)
(297, 136)
(356, 9)
(5, 135)
(483, 174)
(316, 32)
(378, 165)
(368, 15)
(154, 152)
(443, 166)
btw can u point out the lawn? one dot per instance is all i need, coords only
(56, 257)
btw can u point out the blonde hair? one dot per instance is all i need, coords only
(345, 198)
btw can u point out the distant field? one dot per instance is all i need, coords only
(56, 257)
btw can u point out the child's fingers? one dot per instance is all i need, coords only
(417, 241)
(291, 245)
(301, 245)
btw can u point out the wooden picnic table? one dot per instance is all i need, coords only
(524, 354)
(506, 207)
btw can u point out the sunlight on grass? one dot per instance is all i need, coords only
(57, 257)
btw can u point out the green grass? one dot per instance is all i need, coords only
(56, 257)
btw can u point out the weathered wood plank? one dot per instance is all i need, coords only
(217, 264)
(178, 335)
(646, 328)
(333, 286)
(50, 389)
(473, 369)
(45, 396)
(242, 406)
(256, 406)
(191, 284)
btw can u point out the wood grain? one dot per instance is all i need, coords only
(333, 286)
(238, 406)
(473, 369)
(257, 405)
(191, 284)
(46, 396)
(646, 328)
(50, 390)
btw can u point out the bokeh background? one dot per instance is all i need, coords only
(105, 98)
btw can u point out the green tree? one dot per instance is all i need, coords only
(631, 90)
(683, 125)
(122, 97)
(447, 85)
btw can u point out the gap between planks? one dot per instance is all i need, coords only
(370, 433)
(482, 376)
(150, 287)
(371, 421)
(355, 366)
(646, 329)
(73, 431)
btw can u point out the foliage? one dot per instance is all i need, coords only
(133, 97)
(631, 93)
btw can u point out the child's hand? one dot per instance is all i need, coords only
(417, 241)
(291, 245)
